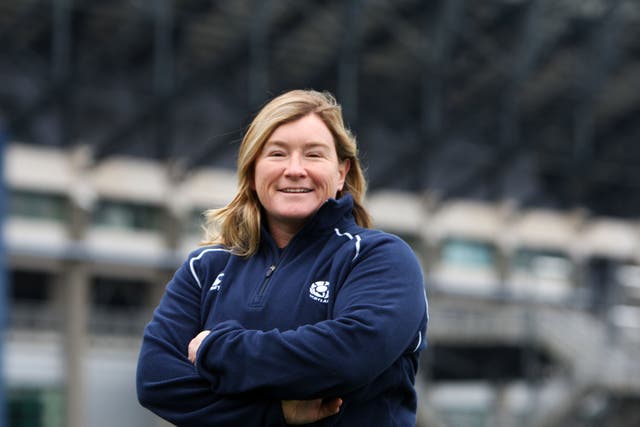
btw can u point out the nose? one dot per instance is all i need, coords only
(295, 167)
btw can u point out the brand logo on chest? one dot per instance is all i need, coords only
(215, 286)
(319, 291)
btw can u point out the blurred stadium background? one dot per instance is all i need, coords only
(500, 139)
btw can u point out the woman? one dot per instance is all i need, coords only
(297, 312)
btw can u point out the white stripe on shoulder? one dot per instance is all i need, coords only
(350, 236)
(194, 259)
(357, 247)
(419, 341)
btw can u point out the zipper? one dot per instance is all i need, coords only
(276, 260)
(259, 295)
(265, 282)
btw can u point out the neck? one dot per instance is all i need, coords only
(282, 239)
(282, 234)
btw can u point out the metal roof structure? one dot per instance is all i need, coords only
(531, 100)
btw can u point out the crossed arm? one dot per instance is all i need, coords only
(295, 411)
(169, 385)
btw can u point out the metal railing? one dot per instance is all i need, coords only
(577, 339)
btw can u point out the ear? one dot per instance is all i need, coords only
(343, 170)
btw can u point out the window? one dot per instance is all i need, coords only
(628, 275)
(625, 316)
(543, 273)
(33, 287)
(127, 215)
(543, 264)
(31, 301)
(119, 306)
(35, 408)
(112, 293)
(38, 205)
(468, 253)
(468, 417)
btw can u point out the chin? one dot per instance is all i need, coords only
(297, 214)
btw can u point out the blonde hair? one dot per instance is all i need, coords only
(237, 225)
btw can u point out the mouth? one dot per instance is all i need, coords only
(295, 190)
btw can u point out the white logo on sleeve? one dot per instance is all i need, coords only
(319, 291)
(215, 286)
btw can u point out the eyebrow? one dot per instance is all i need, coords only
(310, 144)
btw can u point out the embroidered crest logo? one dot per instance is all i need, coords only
(319, 291)
(215, 286)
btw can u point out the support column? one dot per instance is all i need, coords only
(3, 284)
(163, 75)
(259, 53)
(76, 308)
(500, 405)
(74, 295)
(61, 60)
(439, 36)
(348, 63)
(600, 58)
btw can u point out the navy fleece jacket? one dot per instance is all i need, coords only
(340, 312)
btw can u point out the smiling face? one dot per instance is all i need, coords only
(295, 173)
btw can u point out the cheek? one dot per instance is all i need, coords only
(260, 174)
(260, 184)
(264, 179)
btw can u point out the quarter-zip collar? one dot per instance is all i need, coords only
(330, 213)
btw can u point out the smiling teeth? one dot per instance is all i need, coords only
(296, 190)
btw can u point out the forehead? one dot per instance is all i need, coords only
(307, 129)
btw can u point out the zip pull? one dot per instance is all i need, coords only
(270, 270)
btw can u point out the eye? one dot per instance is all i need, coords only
(275, 153)
(314, 154)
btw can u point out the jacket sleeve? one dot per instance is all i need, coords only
(379, 313)
(168, 384)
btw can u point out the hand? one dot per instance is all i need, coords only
(309, 411)
(194, 345)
